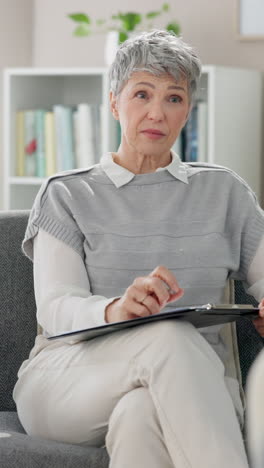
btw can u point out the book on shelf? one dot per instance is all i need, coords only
(30, 143)
(65, 153)
(50, 144)
(40, 142)
(25, 144)
(20, 143)
(191, 144)
(84, 130)
(191, 150)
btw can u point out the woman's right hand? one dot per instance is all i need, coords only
(147, 295)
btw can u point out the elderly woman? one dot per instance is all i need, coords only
(155, 395)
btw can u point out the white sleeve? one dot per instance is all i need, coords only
(62, 290)
(255, 277)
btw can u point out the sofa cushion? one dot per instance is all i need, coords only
(9, 422)
(17, 449)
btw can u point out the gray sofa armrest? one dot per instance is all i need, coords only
(17, 334)
(17, 303)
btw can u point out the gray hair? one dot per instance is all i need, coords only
(156, 52)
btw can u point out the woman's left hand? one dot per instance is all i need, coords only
(259, 322)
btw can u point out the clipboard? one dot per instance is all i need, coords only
(199, 315)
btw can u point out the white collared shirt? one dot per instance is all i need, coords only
(121, 176)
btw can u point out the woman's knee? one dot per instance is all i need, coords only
(133, 415)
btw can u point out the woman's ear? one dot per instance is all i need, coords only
(114, 105)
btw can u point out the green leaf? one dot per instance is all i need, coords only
(174, 28)
(81, 31)
(153, 14)
(122, 37)
(80, 18)
(130, 20)
(165, 7)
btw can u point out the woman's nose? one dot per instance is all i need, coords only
(155, 111)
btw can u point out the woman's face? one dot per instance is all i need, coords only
(152, 111)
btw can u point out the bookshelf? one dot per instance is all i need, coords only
(232, 130)
(37, 88)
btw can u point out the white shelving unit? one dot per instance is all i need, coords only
(233, 96)
(34, 88)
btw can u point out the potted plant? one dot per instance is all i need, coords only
(120, 26)
(123, 23)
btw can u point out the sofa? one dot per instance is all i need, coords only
(18, 331)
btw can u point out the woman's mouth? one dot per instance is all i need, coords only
(153, 133)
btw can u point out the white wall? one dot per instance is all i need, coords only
(209, 25)
(16, 30)
(54, 44)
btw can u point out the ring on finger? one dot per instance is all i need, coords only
(144, 298)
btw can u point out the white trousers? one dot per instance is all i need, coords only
(255, 412)
(155, 395)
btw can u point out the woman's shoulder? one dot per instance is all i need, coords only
(62, 187)
(198, 167)
(70, 181)
(71, 175)
(217, 173)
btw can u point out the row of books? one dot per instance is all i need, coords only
(66, 138)
(191, 145)
(60, 139)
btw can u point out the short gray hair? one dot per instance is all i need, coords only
(156, 52)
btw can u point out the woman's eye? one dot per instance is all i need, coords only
(141, 94)
(175, 99)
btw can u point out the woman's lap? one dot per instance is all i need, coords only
(69, 393)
